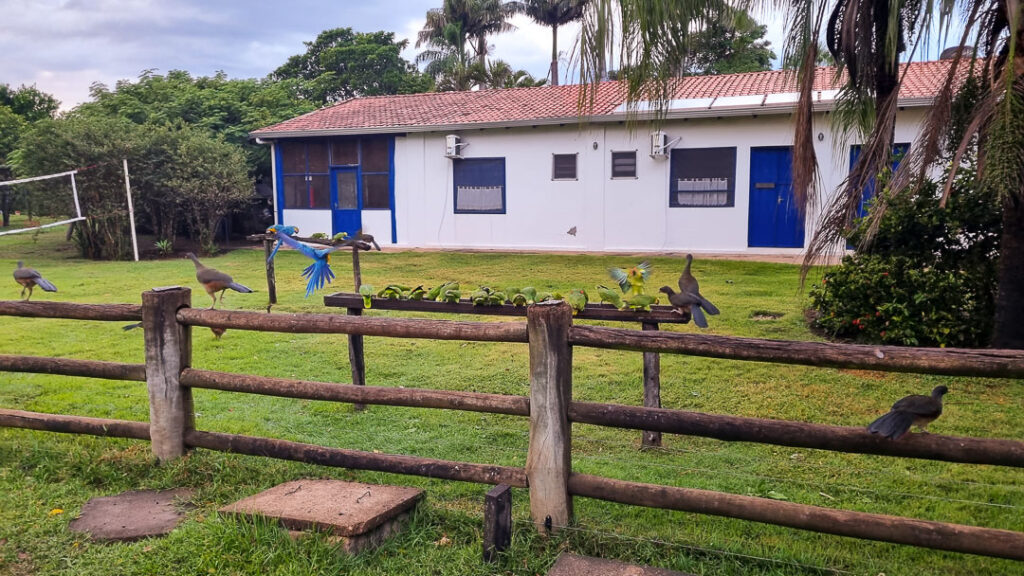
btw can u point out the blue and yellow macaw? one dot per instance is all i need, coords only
(280, 229)
(319, 272)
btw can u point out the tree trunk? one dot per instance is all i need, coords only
(1009, 320)
(554, 54)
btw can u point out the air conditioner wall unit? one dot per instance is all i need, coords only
(659, 145)
(453, 146)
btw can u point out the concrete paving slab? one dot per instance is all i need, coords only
(132, 515)
(573, 565)
(340, 508)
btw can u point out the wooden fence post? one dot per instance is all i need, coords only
(356, 356)
(168, 352)
(497, 521)
(548, 461)
(268, 246)
(652, 389)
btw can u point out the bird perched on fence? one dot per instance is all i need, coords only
(913, 410)
(578, 299)
(280, 229)
(631, 280)
(689, 297)
(319, 272)
(215, 281)
(609, 296)
(29, 279)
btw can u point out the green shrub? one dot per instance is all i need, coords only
(929, 276)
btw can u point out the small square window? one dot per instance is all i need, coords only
(563, 167)
(624, 164)
(479, 185)
(376, 192)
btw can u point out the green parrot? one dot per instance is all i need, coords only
(435, 292)
(497, 298)
(556, 295)
(609, 296)
(519, 299)
(639, 302)
(447, 286)
(479, 297)
(366, 291)
(578, 300)
(544, 297)
(392, 292)
(451, 296)
(631, 280)
(531, 294)
(417, 293)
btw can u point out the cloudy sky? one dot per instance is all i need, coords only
(64, 46)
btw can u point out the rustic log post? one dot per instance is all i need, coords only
(652, 389)
(356, 359)
(268, 246)
(548, 460)
(168, 352)
(357, 274)
(497, 521)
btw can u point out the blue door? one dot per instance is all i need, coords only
(775, 220)
(899, 150)
(345, 200)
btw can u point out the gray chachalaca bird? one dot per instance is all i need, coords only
(913, 410)
(689, 297)
(29, 279)
(215, 281)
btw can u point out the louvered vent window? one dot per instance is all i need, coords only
(563, 167)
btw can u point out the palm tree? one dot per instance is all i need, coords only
(458, 23)
(554, 13)
(867, 39)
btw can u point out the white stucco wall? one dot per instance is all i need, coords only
(609, 215)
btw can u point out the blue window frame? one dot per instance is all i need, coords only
(479, 185)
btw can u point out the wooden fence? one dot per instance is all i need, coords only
(550, 336)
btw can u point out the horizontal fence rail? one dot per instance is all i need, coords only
(365, 326)
(356, 459)
(801, 434)
(74, 424)
(73, 367)
(309, 390)
(71, 310)
(945, 361)
(928, 534)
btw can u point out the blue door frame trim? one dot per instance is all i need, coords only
(391, 187)
(279, 182)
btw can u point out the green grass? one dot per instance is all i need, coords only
(43, 471)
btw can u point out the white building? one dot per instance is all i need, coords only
(519, 168)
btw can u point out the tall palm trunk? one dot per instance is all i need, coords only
(1009, 320)
(554, 54)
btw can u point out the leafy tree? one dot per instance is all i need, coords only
(11, 126)
(554, 13)
(730, 44)
(28, 102)
(460, 23)
(867, 39)
(216, 104)
(210, 178)
(342, 64)
(76, 141)
(499, 74)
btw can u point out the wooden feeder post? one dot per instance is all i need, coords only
(549, 457)
(268, 246)
(168, 352)
(356, 358)
(652, 389)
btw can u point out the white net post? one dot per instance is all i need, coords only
(74, 193)
(131, 209)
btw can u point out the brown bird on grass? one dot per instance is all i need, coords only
(215, 281)
(218, 332)
(29, 279)
(913, 410)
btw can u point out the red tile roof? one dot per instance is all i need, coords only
(549, 104)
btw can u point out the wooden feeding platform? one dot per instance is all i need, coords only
(649, 320)
(657, 314)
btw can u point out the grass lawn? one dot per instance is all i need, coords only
(42, 472)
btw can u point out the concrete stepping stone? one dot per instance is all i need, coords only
(132, 515)
(357, 516)
(573, 565)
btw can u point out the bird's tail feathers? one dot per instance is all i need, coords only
(277, 246)
(698, 316)
(239, 288)
(45, 285)
(892, 425)
(318, 273)
(708, 306)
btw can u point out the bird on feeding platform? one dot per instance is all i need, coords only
(631, 280)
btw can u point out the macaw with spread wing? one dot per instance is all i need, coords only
(319, 272)
(280, 229)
